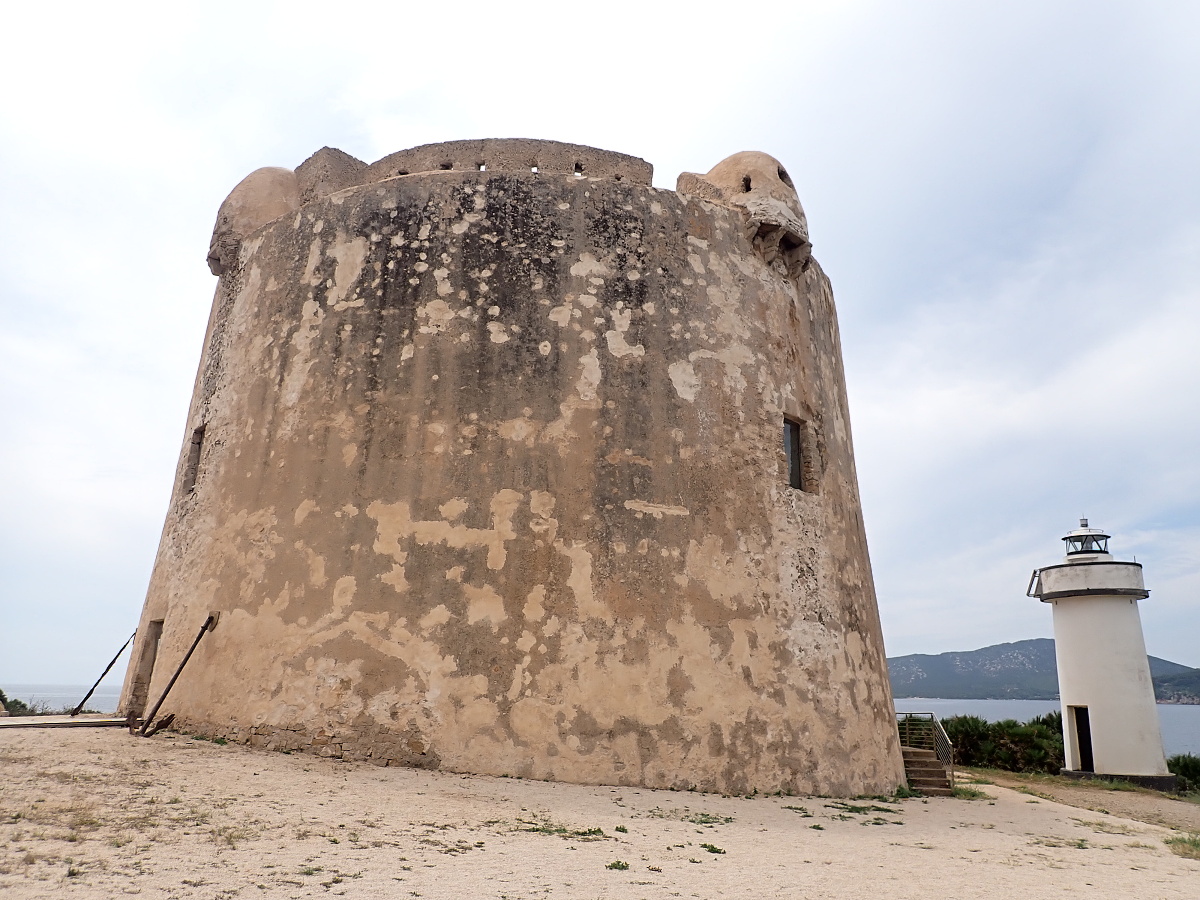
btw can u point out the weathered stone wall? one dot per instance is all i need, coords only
(491, 479)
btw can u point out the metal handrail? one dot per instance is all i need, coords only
(924, 731)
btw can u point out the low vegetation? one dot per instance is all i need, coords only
(1033, 746)
(1187, 767)
(17, 707)
(1185, 845)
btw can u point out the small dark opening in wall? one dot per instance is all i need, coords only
(446, 167)
(578, 170)
(1083, 737)
(746, 184)
(193, 461)
(793, 445)
(402, 172)
(783, 176)
(799, 445)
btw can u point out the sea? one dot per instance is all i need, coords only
(66, 696)
(1180, 724)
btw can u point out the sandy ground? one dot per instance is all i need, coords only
(97, 813)
(1142, 806)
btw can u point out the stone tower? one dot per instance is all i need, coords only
(501, 460)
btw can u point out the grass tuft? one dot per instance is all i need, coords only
(1185, 845)
(969, 793)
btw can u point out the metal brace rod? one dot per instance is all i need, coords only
(209, 624)
(88, 695)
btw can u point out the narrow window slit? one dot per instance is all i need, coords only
(800, 450)
(193, 461)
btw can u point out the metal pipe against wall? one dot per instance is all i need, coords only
(209, 624)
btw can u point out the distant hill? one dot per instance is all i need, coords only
(1183, 687)
(1024, 670)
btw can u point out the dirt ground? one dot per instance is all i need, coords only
(98, 813)
(1146, 806)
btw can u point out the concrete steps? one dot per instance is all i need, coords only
(925, 772)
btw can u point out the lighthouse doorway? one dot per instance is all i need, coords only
(1083, 737)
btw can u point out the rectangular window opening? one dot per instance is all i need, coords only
(193, 461)
(798, 445)
(793, 445)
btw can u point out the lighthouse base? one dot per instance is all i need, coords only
(1168, 783)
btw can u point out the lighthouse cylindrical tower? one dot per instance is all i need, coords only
(1110, 722)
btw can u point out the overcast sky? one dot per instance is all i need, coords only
(1006, 197)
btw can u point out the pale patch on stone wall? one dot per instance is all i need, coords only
(396, 524)
(302, 341)
(484, 603)
(453, 508)
(350, 256)
(534, 609)
(589, 266)
(615, 337)
(683, 378)
(728, 578)
(303, 509)
(585, 397)
(438, 314)
(580, 579)
(657, 510)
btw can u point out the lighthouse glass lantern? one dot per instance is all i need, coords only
(1110, 721)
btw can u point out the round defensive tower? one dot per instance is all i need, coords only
(501, 460)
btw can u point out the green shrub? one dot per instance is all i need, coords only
(15, 707)
(1187, 767)
(1033, 746)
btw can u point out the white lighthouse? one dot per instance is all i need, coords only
(1110, 722)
